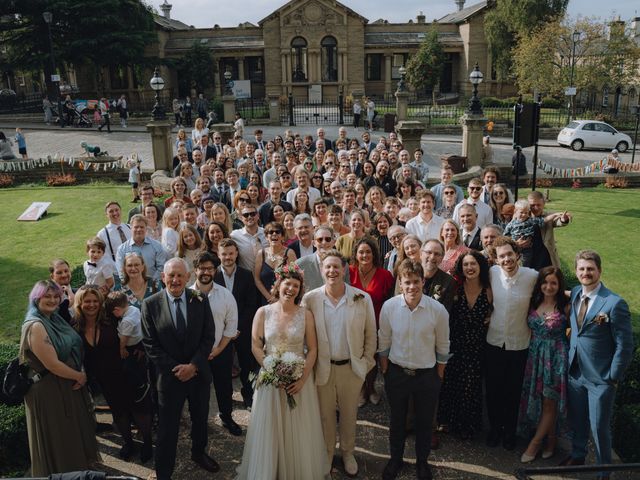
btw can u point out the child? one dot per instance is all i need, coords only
(130, 334)
(204, 218)
(134, 175)
(98, 270)
(189, 246)
(170, 225)
(22, 143)
(507, 212)
(524, 227)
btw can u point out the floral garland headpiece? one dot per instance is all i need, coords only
(287, 269)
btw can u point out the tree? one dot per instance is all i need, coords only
(512, 18)
(425, 67)
(196, 69)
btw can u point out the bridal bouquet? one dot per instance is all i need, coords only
(281, 370)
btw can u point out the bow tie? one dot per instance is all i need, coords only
(92, 264)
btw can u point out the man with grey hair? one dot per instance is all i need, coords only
(258, 162)
(303, 226)
(149, 249)
(488, 234)
(324, 239)
(395, 234)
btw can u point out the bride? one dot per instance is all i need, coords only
(285, 443)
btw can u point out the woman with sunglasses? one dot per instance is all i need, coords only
(317, 181)
(241, 200)
(448, 202)
(269, 259)
(499, 197)
(279, 143)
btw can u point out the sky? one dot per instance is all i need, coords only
(230, 14)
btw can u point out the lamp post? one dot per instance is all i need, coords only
(575, 36)
(636, 111)
(157, 84)
(401, 85)
(227, 82)
(475, 77)
(55, 78)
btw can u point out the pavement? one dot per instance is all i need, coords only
(43, 140)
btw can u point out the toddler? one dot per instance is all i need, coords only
(134, 175)
(22, 143)
(98, 270)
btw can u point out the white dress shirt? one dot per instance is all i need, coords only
(248, 246)
(468, 236)
(314, 194)
(334, 319)
(414, 338)
(111, 237)
(225, 316)
(485, 214)
(304, 251)
(511, 296)
(229, 279)
(425, 230)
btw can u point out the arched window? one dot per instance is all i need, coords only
(299, 59)
(329, 59)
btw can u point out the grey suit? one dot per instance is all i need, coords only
(310, 265)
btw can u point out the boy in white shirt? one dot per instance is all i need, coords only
(97, 269)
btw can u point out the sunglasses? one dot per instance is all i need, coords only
(271, 232)
(498, 193)
(249, 214)
(242, 199)
(475, 189)
(323, 239)
(449, 193)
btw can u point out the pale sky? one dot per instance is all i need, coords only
(231, 13)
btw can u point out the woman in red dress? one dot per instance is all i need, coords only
(366, 273)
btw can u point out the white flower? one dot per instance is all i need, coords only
(290, 357)
(269, 362)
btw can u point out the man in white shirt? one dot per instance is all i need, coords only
(249, 239)
(507, 341)
(346, 330)
(115, 233)
(271, 175)
(485, 214)
(413, 346)
(220, 359)
(426, 224)
(303, 227)
(302, 180)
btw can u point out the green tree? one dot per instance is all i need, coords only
(196, 69)
(509, 19)
(425, 67)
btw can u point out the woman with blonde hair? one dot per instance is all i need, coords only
(220, 213)
(451, 237)
(186, 173)
(375, 198)
(345, 242)
(170, 230)
(198, 131)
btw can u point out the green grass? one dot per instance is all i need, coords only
(606, 220)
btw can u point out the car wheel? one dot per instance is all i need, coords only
(622, 147)
(577, 145)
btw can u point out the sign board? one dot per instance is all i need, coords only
(315, 93)
(35, 212)
(570, 91)
(55, 78)
(241, 88)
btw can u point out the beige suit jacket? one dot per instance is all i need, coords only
(361, 332)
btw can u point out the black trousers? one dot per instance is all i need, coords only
(222, 382)
(423, 389)
(503, 379)
(247, 362)
(106, 121)
(170, 404)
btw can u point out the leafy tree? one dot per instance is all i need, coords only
(509, 19)
(196, 69)
(425, 67)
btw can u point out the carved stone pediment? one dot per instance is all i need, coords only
(313, 13)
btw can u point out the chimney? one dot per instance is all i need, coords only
(421, 18)
(635, 29)
(460, 4)
(166, 10)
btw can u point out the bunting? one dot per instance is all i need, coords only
(595, 167)
(83, 163)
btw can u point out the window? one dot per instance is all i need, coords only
(329, 59)
(605, 96)
(399, 60)
(299, 59)
(603, 127)
(254, 69)
(590, 127)
(374, 66)
(119, 77)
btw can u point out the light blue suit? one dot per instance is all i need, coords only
(599, 354)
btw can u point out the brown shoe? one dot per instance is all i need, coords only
(570, 461)
(435, 441)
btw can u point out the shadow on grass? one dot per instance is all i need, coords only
(633, 213)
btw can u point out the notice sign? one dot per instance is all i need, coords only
(35, 212)
(315, 93)
(241, 88)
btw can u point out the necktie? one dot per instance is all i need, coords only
(92, 264)
(123, 237)
(583, 310)
(467, 239)
(181, 323)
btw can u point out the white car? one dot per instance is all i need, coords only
(581, 134)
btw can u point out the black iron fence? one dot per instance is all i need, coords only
(300, 111)
(252, 108)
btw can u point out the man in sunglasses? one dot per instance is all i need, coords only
(485, 214)
(249, 239)
(324, 239)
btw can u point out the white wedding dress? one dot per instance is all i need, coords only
(284, 443)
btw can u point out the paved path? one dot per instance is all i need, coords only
(43, 141)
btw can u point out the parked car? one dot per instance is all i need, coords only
(581, 134)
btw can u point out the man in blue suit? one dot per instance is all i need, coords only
(600, 351)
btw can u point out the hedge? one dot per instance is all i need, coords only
(626, 421)
(14, 444)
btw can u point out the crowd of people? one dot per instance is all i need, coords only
(448, 304)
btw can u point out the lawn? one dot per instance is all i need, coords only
(606, 220)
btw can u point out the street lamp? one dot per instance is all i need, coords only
(475, 77)
(636, 111)
(575, 36)
(227, 82)
(157, 84)
(55, 79)
(401, 85)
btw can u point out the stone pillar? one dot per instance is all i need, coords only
(241, 68)
(225, 130)
(472, 128)
(283, 63)
(402, 102)
(229, 102)
(387, 74)
(274, 109)
(161, 144)
(410, 134)
(318, 77)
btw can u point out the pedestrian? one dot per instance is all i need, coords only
(187, 109)
(103, 105)
(134, 175)
(177, 112)
(239, 124)
(69, 109)
(22, 143)
(371, 112)
(5, 148)
(357, 111)
(201, 107)
(47, 106)
(123, 111)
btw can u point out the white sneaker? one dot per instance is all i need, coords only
(350, 465)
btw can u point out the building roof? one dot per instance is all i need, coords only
(383, 39)
(170, 24)
(464, 14)
(216, 43)
(301, 2)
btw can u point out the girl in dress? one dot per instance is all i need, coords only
(269, 259)
(170, 225)
(285, 443)
(543, 405)
(189, 246)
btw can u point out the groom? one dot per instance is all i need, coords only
(600, 351)
(346, 330)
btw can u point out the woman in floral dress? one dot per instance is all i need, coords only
(543, 405)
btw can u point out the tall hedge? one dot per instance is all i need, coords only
(626, 422)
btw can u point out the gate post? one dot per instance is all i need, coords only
(341, 106)
(291, 122)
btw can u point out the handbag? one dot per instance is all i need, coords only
(16, 382)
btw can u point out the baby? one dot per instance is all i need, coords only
(98, 270)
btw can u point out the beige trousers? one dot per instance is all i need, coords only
(340, 393)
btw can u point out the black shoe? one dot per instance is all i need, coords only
(229, 424)
(493, 438)
(146, 453)
(423, 471)
(206, 462)
(509, 442)
(248, 401)
(126, 451)
(103, 427)
(392, 469)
